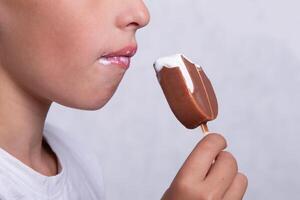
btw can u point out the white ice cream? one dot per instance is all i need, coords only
(176, 61)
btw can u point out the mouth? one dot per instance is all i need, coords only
(119, 58)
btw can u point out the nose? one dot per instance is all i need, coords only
(134, 15)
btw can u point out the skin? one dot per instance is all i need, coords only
(209, 173)
(49, 52)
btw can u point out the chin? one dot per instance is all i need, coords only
(93, 101)
(96, 105)
(86, 104)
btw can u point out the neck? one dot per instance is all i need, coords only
(22, 118)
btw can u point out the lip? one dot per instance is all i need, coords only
(128, 51)
(120, 58)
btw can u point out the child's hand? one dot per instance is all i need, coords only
(199, 179)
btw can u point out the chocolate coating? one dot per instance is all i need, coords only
(191, 108)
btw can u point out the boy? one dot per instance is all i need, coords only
(75, 53)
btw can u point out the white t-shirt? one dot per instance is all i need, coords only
(79, 177)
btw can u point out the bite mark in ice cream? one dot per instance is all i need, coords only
(188, 90)
(175, 61)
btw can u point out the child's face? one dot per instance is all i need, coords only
(51, 48)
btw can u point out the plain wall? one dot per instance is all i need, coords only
(250, 51)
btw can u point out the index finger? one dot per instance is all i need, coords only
(201, 158)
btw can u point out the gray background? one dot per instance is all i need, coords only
(250, 50)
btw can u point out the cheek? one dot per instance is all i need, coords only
(84, 88)
(55, 55)
(56, 33)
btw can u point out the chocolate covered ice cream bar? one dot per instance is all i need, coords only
(188, 91)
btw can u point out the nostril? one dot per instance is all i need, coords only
(135, 24)
(135, 16)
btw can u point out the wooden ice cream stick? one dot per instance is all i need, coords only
(204, 128)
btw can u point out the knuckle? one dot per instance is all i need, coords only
(184, 186)
(242, 179)
(214, 139)
(195, 191)
(209, 196)
(229, 159)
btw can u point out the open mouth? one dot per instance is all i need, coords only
(120, 58)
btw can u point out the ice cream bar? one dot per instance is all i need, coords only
(188, 91)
